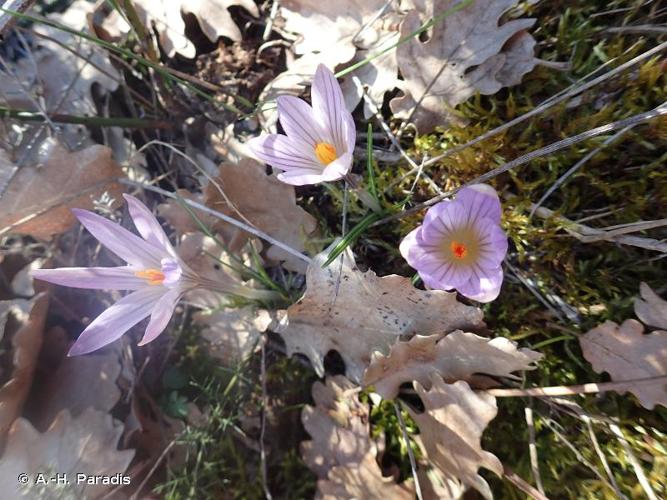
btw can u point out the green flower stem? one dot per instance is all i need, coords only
(94, 121)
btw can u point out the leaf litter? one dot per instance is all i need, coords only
(388, 333)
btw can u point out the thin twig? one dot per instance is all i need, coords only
(532, 449)
(601, 456)
(411, 455)
(639, 472)
(561, 180)
(572, 390)
(262, 451)
(551, 102)
(220, 215)
(522, 484)
(538, 153)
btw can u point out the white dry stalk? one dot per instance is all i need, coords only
(260, 234)
(639, 472)
(600, 453)
(532, 449)
(411, 455)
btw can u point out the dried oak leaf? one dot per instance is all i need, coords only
(233, 334)
(345, 31)
(626, 353)
(25, 342)
(86, 444)
(261, 200)
(167, 17)
(38, 199)
(358, 313)
(78, 383)
(451, 428)
(457, 356)
(651, 309)
(467, 52)
(341, 452)
(179, 218)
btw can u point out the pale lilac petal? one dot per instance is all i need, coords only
(332, 172)
(117, 319)
(447, 275)
(481, 200)
(286, 154)
(493, 244)
(447, 219)
(172, 271)
(147, 224)
(128, 246)
(329, 107)
(162, 313)
(408, 244)
(338, 168)
(435, 214)
(97, 278)
(484, 285)
(300, 122)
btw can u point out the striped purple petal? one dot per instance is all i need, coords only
(300, 122)
(329, 107)
(96, 278)
(481, 201)
(128, 246)
(162, 313)
(117, 319)
(286, 153)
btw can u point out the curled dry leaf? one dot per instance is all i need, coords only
(233, 334)
(38, 199)
(333, 33)
(358, 313)
(263, 201)
(650, 308)
(626, 353)
(457, 356)
(27, 331)
(167, 17)
(86, 444)
(341, 452)
(467, 52)
(451, 428)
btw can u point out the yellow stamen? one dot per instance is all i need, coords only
(325, 152)
(459, 250)
(153, 276)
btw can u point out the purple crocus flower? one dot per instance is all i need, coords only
(320, 139)
(156, 275)
(460, 245)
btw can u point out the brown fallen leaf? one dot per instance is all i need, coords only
(167, 17)
(345, 31)
(626, 353)
(358, 313)
(341, 451)
(26, 332)
(469, 51)
(650, 308)
(233, 334)
(457, 356)
(38, 198)
(78, 383)
(264, 202)
(450, 432)
(86, 444)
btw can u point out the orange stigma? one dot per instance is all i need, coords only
(325, 152)
(459, 250)
(153, 276)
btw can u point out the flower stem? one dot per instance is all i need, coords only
(95, 121)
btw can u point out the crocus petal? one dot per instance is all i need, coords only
(286, 153)
(162, 313)
(408, 243)
(128, 246)
(338, 168)
(447, 219)
(300, 122)
(96, 278)
(483, 285)
(493, 244)
(329, 107)
(481, 200)
(117, 319)
(147, 224)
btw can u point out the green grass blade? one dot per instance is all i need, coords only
(351, 237)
